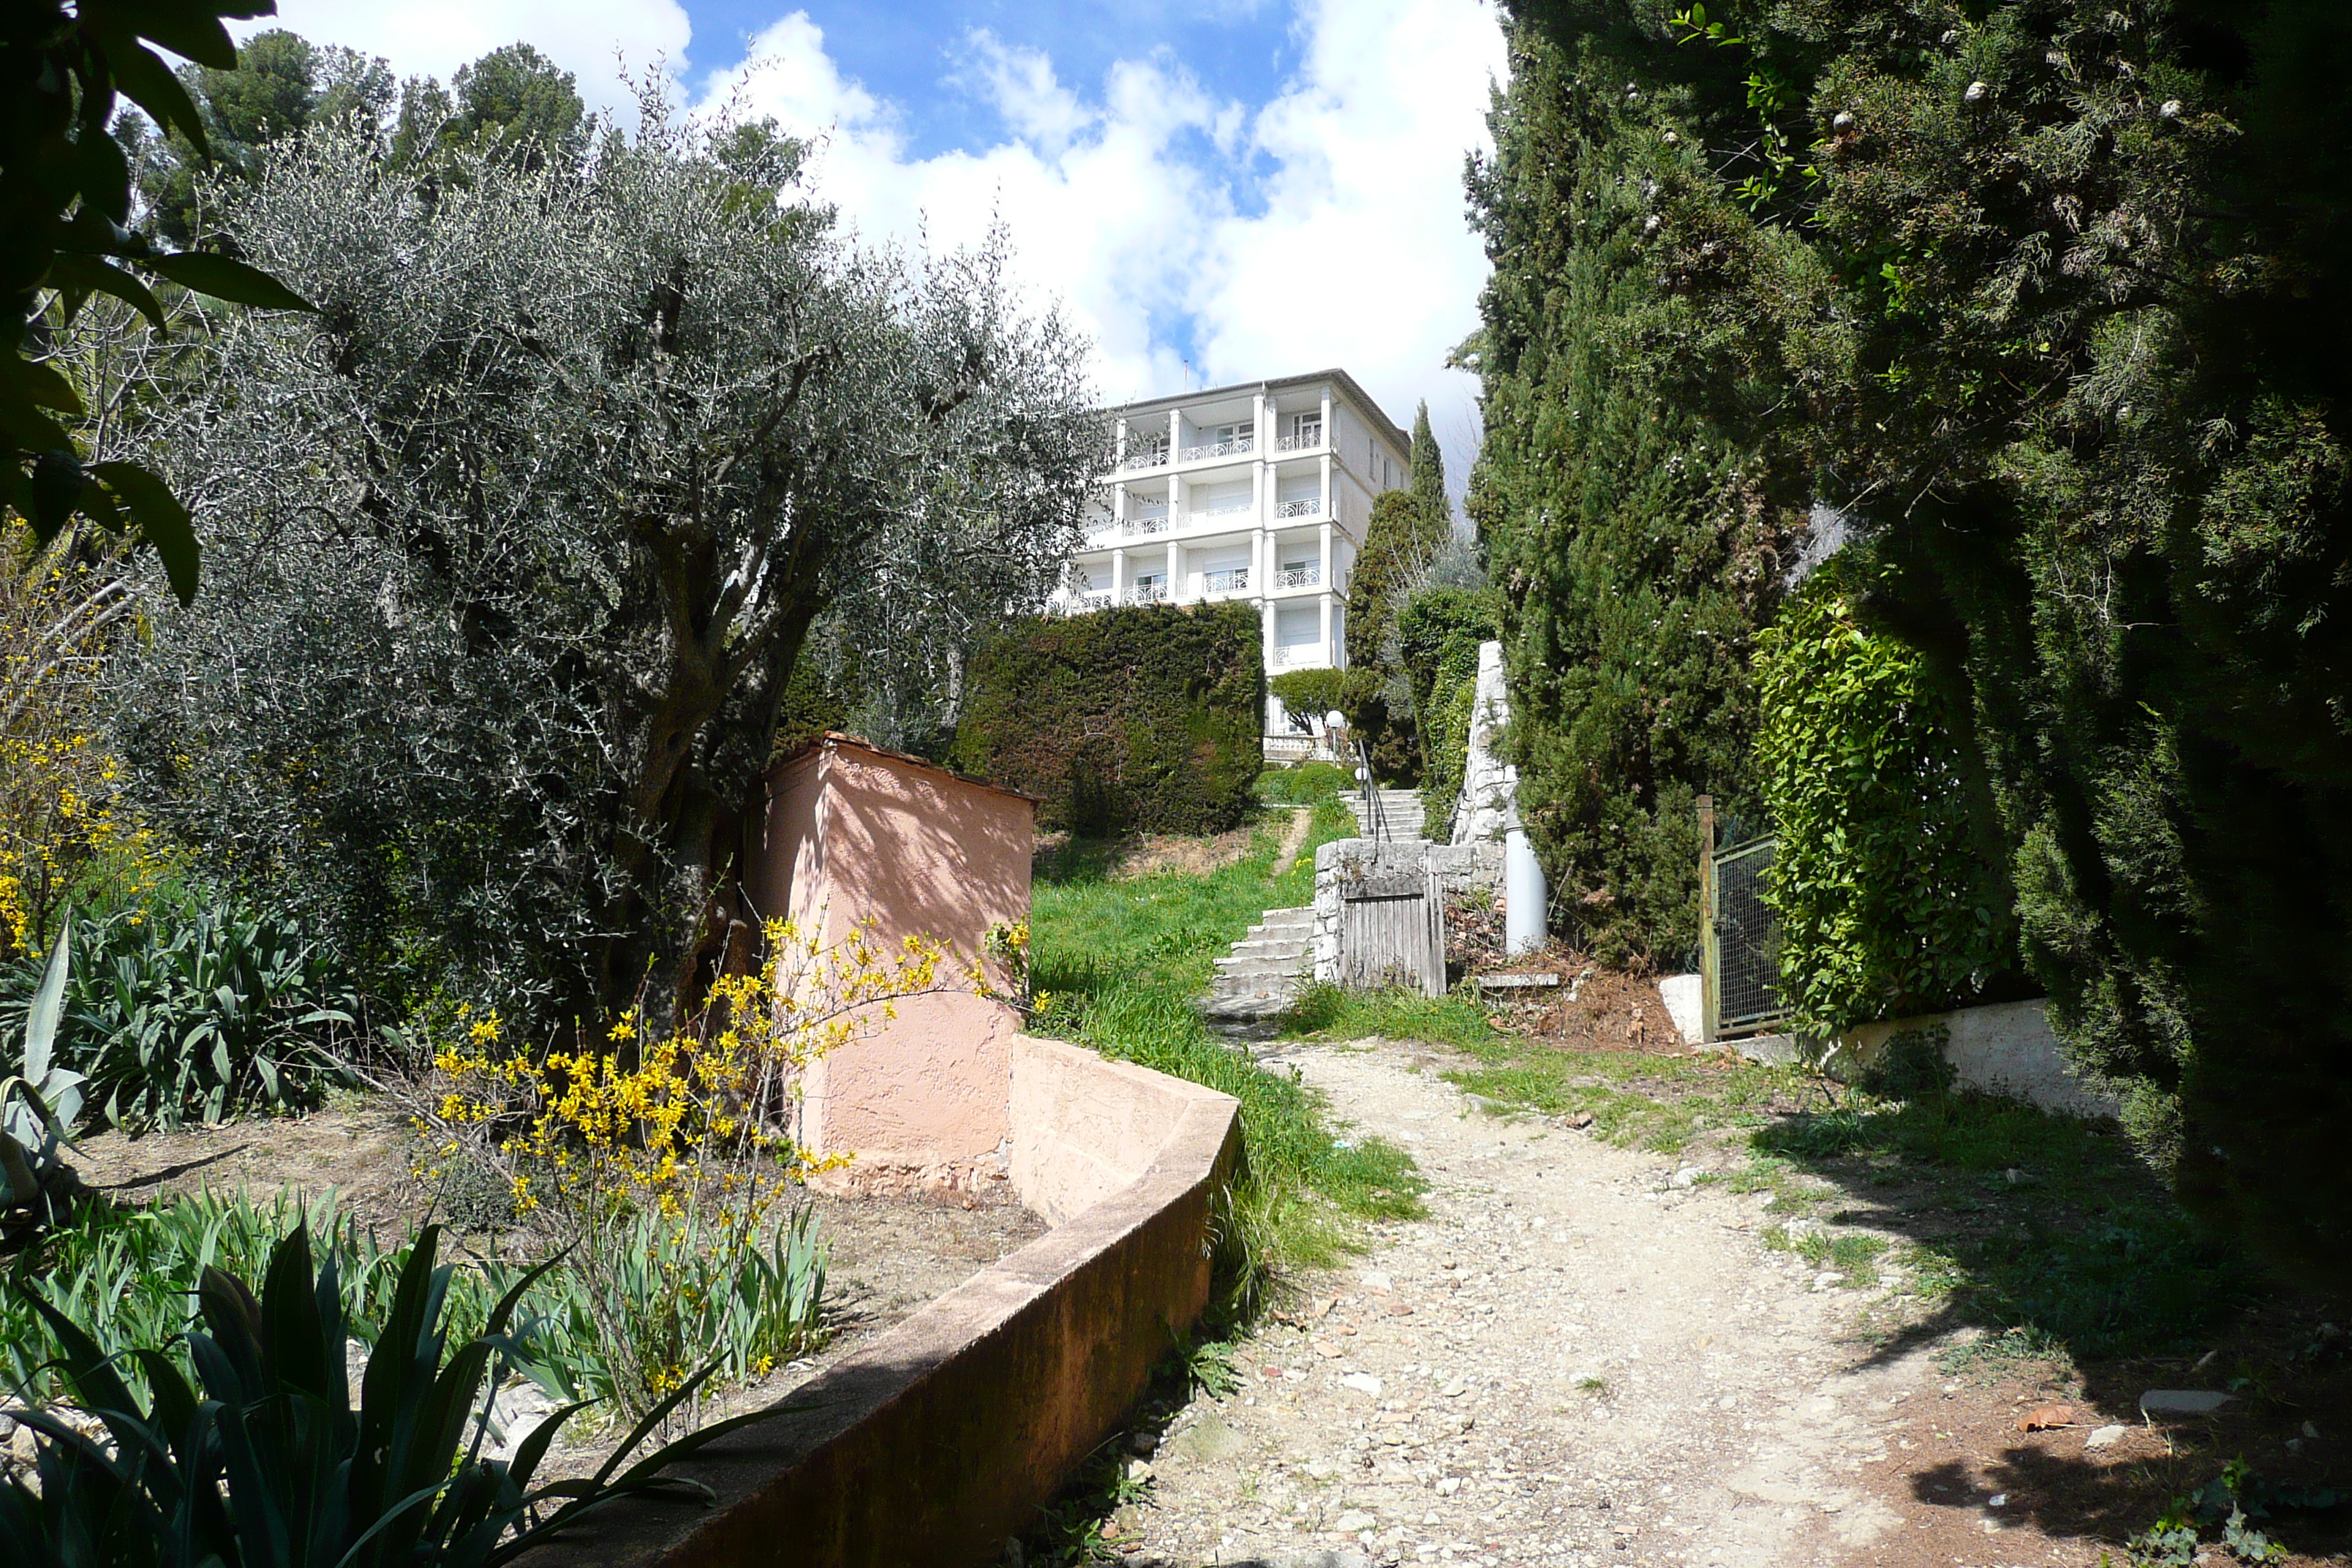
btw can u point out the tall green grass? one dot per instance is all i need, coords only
(1119, 964)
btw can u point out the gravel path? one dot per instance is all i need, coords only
(1574, 1360)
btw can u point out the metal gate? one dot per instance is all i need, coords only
(1392, 933)
(1739, 937)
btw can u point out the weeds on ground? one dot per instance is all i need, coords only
(1117, 966)
(1330, 1012)
(2043, 1228)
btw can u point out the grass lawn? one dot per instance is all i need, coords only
(1118, 963)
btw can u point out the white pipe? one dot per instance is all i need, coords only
(1524, 894)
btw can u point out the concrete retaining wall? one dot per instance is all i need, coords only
(939, 1440)
(2007, 1048)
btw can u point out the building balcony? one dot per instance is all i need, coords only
(1237, 580)
(1154, 593)
(1145, 458)
(1217, 449)
(1311, 507)
(1304, 655)
(1299, 577)
(1305, 441)
(1092, 600)
(1140, 526)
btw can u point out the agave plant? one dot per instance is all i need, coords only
(38, 1102)
(263, 1462)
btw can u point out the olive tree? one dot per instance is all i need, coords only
(523, 533)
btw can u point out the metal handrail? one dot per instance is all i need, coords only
(1220, 449)
(1157, 594)
(1299, 508)
(1233, 582)
(1376, 820)
(1136, 525)
(1151, 454)
(1306, 443)
(1300, 576)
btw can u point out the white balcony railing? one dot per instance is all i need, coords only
(1233, 582)
(1094, 601)
(1306, 654)
(1220, 449)
(1148, 593)
(1148, 524)
(1226, 509)
(1298, 576)
(1306, 440)
(1310, 507)
(1147, 457)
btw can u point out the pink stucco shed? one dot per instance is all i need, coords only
(856, 836)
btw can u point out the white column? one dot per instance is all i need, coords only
(1326, 501)
(1325, 602)
(1118, 576)
(1118, 506)
(1118, 452)
(1175, 573)
(1330, 436)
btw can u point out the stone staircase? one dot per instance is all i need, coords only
(1399, 810)
(1265, 970)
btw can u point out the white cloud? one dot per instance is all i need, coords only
(590, 38)
(1325, 228)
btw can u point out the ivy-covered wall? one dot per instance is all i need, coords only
(1146, 717)
(1887, 908)
(1438, 634)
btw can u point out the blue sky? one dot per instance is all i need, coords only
(900, 51)
(1224, 190)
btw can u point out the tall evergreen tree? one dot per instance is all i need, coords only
(2059, 297)
(1636, 529)
(1406, 529)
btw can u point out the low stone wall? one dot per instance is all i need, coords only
(1460, 867)
(939, 1440)
(2006, 1048)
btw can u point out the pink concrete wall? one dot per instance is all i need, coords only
(858, 837)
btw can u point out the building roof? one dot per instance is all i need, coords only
(834, 739)
(1348, 384)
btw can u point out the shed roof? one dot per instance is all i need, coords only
(834, 739)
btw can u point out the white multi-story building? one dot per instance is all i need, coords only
(1257, 493)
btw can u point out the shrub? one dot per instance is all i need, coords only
(1887, 903)
(1141, 717)
(1305, 785)
(193, 1014)
(680, 1294)
(657, 1175)
(263, 1461)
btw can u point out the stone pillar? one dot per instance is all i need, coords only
(1175, 571)
(1117, 575)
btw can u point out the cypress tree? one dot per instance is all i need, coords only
(2059, 300)
(1637, 533)
(1406, 529)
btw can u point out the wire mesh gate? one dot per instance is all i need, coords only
(1739, 937)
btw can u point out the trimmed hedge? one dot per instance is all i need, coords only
(1146, 717)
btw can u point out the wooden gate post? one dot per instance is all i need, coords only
(1707, 998)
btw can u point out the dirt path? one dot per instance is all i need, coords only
(1574, 1360)
(1302, 817)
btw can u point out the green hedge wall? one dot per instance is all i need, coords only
(1146, 717)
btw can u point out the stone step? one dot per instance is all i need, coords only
(1289, 946)
(1285, 968)
(1303, 916)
